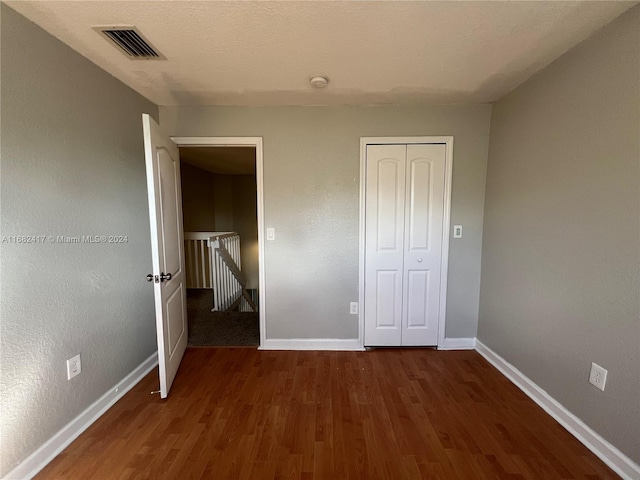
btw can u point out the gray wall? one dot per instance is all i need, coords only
(560, 262)
(311, 188)
(198, 207)
(72, 164)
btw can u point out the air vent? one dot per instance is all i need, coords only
(130, 41)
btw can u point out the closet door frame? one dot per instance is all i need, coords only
(446, 220)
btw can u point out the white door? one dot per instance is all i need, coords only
(424, 213)
(165, 213)
(384, 244)
(404, 214)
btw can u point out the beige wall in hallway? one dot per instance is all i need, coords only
(198, 207)
(236, 210)
(245, 222)
(219, 203)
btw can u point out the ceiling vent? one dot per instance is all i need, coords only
(130, 41)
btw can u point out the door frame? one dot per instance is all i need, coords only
(244, 142)
(446, 220)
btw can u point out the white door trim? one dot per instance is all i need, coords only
(244, 142)
(446, 219)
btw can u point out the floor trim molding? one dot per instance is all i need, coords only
(39, 459)
(345, 344)
(614, 458)
(458, 344)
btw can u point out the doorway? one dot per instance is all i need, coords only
(404, 232)
(222, 211)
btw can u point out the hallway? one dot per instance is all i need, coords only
(219, 329)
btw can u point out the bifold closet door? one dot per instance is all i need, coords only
(424, 214)
(384, 243)
(404, 210)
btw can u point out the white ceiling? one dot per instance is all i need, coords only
(263, 53)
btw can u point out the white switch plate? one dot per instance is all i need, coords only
(457, 231)
(271, 233)
(74, 367)
(598, 376)
(353, 308)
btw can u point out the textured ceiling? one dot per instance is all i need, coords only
(263, 53)
(222, 160)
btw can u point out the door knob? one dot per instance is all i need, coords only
(419, 260)
(165, 276)
(150, 277)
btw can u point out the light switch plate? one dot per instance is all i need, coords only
(271, 233)
(457, 231)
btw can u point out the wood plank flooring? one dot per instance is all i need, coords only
(240, 413)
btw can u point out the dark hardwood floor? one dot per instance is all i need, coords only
(240, 413)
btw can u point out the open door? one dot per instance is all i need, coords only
(165, 214)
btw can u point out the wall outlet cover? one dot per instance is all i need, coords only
(598, 376)
(353, 308)
(74, 367)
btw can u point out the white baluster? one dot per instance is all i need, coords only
(202, 279)
(218, 282)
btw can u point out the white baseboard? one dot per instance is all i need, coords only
(458, 344)
(614, 458)
(347, 344)
(35, 462)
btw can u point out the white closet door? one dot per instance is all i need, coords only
(384, 244)
(424, 212)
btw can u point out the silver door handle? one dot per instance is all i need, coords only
(150, 277)
(165, 276)
(419, 260)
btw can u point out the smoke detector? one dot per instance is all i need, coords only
(319, 81)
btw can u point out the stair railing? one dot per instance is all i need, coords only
(229, 284)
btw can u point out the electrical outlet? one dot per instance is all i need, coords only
(598, 376)
(74, 367)
(271, 233)
(457, 231)
(353, 308)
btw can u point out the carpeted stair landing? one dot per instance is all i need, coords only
(216, 329)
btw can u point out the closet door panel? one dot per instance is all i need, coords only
(384, 244)
(424, 212)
